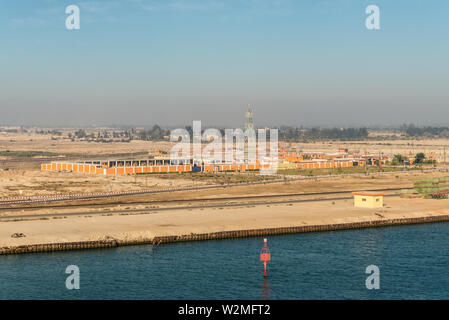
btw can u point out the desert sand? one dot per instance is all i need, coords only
(21, 176)
(134, 227)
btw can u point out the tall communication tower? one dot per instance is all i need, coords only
(249, 124)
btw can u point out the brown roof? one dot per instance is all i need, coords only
(373, 194)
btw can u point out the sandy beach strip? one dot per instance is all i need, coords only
(132, 228)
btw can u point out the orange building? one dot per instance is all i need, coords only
(114, 167)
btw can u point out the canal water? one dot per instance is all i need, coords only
(413, 262)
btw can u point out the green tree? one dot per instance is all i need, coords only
(398, 159)
(80, 133)
(156, 132)
(419, 158)
(444, 134)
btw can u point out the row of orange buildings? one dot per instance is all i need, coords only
(134, 167)
(318, 160)
(342, 158)
(131, 167)
(164, 165)
(289, 158)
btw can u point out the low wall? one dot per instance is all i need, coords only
(217, 235)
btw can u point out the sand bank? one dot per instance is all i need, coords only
(195, 224)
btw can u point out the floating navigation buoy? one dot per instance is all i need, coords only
(265, 256)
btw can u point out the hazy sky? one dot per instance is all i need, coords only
(299, 62)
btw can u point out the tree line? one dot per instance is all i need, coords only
(425, 132)
(300, 134)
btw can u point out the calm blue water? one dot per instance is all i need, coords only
(413, 262)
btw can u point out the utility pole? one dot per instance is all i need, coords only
(132, 165)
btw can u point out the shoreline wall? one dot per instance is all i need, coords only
(113, 243)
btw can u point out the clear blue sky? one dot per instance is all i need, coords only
(299, 62)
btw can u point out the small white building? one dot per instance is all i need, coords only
(368, 199)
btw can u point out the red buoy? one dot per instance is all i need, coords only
(265, 256)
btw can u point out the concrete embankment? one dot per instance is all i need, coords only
(111, 243)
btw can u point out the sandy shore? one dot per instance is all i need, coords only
(171, 223)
